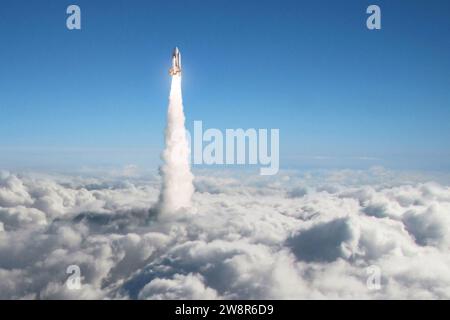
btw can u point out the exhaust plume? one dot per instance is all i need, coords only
(177, 186)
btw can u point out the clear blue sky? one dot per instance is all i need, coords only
(340, 94)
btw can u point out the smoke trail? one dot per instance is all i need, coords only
(177, 187)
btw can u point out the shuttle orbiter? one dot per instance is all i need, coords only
(176, 62)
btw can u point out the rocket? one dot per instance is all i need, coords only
(176, 62)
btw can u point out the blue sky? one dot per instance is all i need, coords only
(341, 95)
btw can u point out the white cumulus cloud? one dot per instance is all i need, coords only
(292, 236)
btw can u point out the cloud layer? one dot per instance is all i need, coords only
(292, 236)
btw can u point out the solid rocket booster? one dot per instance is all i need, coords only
(176, 62)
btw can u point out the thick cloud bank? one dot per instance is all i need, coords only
(286, 237)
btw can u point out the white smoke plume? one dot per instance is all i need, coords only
(177, 187)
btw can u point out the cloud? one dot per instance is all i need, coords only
(292, 236)
(430, 225)
(188, 286)
(325, 242)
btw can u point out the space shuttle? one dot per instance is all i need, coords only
(176, 62)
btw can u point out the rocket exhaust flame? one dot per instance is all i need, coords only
(177, 186)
